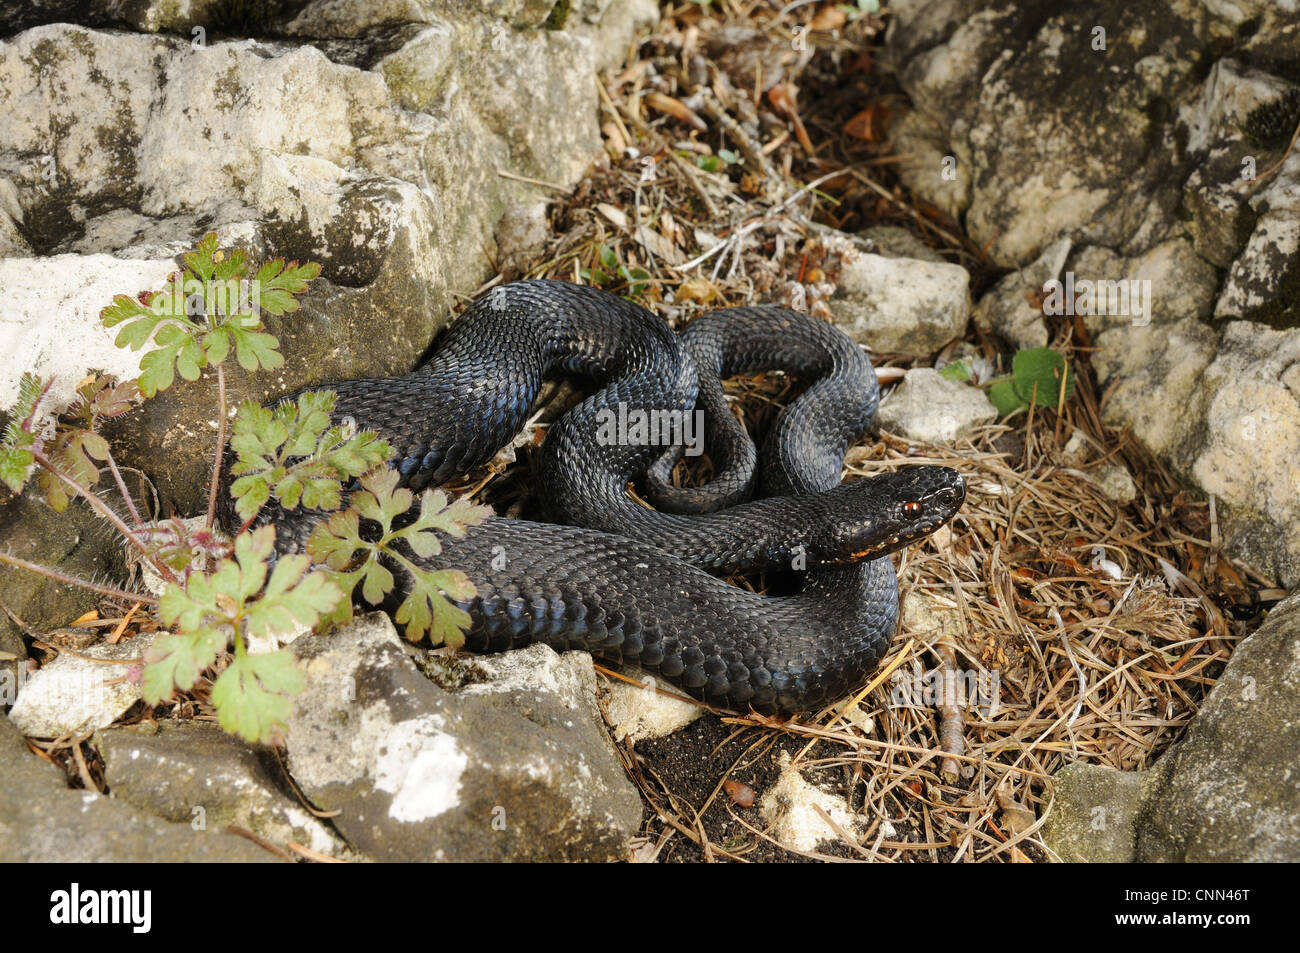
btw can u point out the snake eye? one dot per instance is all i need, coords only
(912, 508)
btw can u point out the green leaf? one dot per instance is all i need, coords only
(276, 283)
(427, 609)
(292, 595)
(176, 661)
(15, 467)
(1004, 397)
(339, 545)
(140, 321)
(178, 346)
(727, 156)
(956, 371)
(608, 258)
(16, 461)
(436, 514)
(220, 596)
(254, 349)
(1038, 373)
(709, 163)
(200, 260)
(293, 453)
(252, 696)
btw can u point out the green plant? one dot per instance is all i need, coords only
(719, 160)
(291, 454)
(609, 269)
(1039, 375)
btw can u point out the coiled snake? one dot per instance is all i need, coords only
(632, 584)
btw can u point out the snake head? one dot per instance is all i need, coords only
(872, 517)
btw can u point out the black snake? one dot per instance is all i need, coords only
(628, 583)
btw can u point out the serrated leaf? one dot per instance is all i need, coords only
(295, 457)
(141, 321)
(252, 696)
(176, 661)
(334, 541)
(216, 346)
(382, 500)
(199, 261)
(290, 597)
(425, 610)
(15, 467)
(436, 514)
(276, 283)
(156, 371)
(254, 349)
(1038, 373)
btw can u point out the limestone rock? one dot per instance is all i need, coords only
(510, 763)
(194, 773)
(930, 409)
(79, 692)
(42, 820)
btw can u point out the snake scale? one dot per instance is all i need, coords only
(633, 584)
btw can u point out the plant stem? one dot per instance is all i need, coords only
(221, 447)
(126, 496)
(103, 509)
(110, 591)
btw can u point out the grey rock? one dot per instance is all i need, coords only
(511, 762)
(897, 305)
(1008, 308)
(1116, 482)
(895, 242)
(642, 712)
(1264, 281)
(1248, 448)
(78, 692)
(928, 408)
(1092, 813)
(1158, 376)
(77, 541)
(1221, 218)
(977, 73)
(196, 774)
(1227, 792)
(42, 820)
(365, 170)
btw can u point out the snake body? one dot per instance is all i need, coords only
(632, 584)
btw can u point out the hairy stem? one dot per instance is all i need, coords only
(221, 446)
(121, 488)
(110, 591)
(103, 509)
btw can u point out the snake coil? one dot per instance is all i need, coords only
(632, 584)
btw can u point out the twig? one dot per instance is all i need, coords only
(523, 178)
